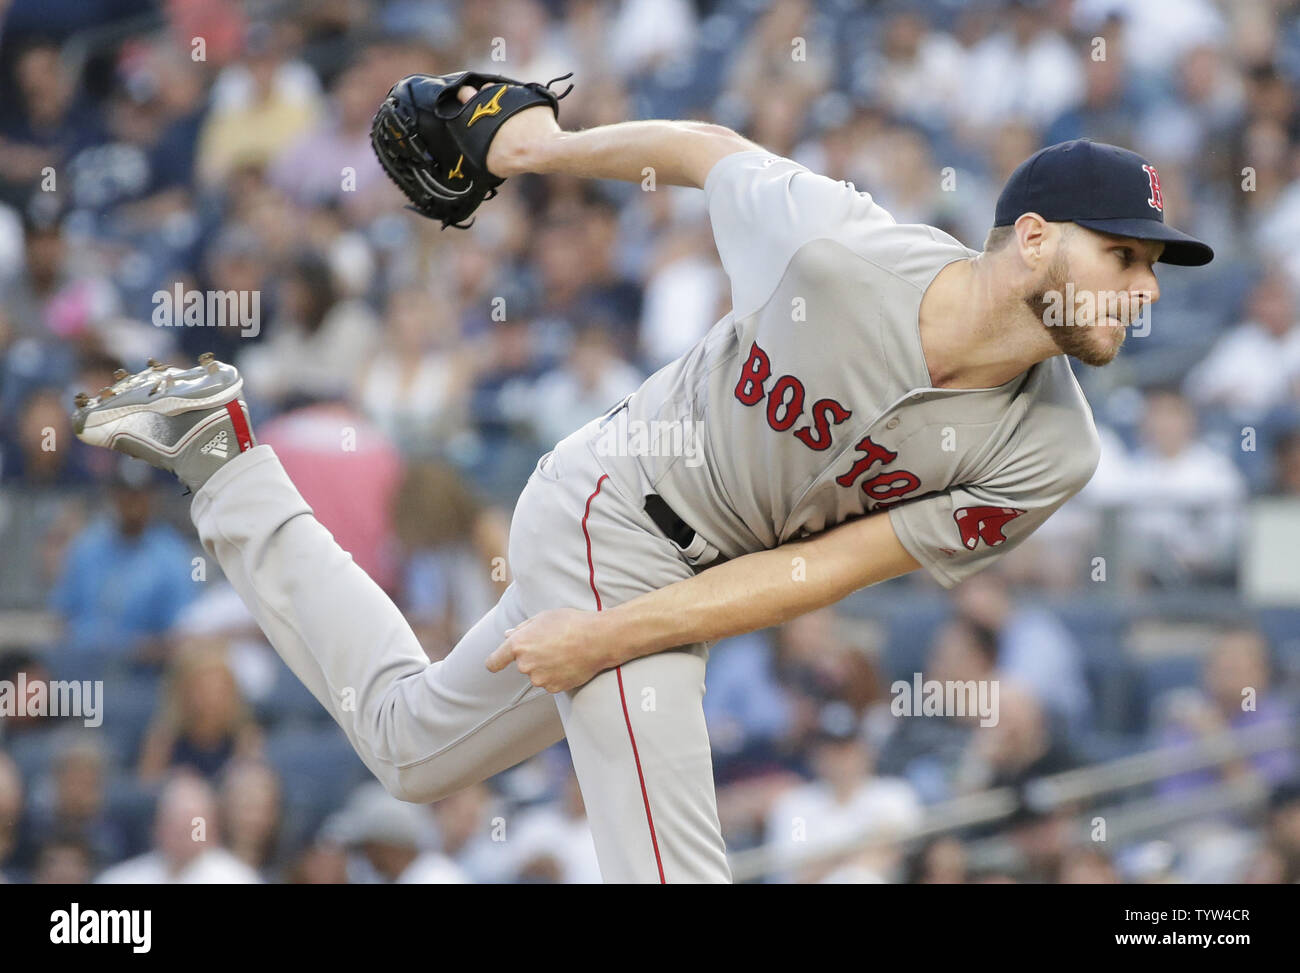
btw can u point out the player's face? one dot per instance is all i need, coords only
(1094, 289)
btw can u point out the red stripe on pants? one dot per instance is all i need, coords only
(627, 720)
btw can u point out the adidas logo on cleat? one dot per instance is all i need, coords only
(218, 445)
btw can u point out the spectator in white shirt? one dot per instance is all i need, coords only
(1028, 71)
(649, 33)
(187, 848)
(1256, 365)
(1185, 497)
(845, 802)
(921, 71)
(685, 293)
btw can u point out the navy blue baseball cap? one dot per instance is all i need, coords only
(1102, 187)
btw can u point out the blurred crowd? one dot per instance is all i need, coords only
(409, 378)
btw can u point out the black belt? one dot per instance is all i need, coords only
(680, 532)
(673, 527)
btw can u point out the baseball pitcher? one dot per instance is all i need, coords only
(879, 398)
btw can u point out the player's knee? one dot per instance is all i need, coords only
(410, 793)
(414, 783)
(413, 787)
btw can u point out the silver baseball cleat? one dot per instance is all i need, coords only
(186, 421)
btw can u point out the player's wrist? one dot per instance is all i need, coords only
(538, 154)
(620, 636)
(529, 147)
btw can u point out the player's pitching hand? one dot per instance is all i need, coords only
(558, 649)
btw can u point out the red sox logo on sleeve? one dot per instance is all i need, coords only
(1157, 201)
(983, 524)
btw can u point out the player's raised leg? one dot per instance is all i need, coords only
(425, 730)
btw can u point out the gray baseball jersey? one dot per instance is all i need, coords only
(811, 403)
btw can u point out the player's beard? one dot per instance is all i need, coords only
(1092, 343)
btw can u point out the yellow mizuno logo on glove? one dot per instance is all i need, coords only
(493, 107)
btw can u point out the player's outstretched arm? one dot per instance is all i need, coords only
(681, 153)
(563, 648)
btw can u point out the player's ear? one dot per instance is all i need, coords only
(1032, 233)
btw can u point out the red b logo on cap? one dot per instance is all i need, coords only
(1156, 201)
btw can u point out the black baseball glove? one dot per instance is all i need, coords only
(435, 148)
